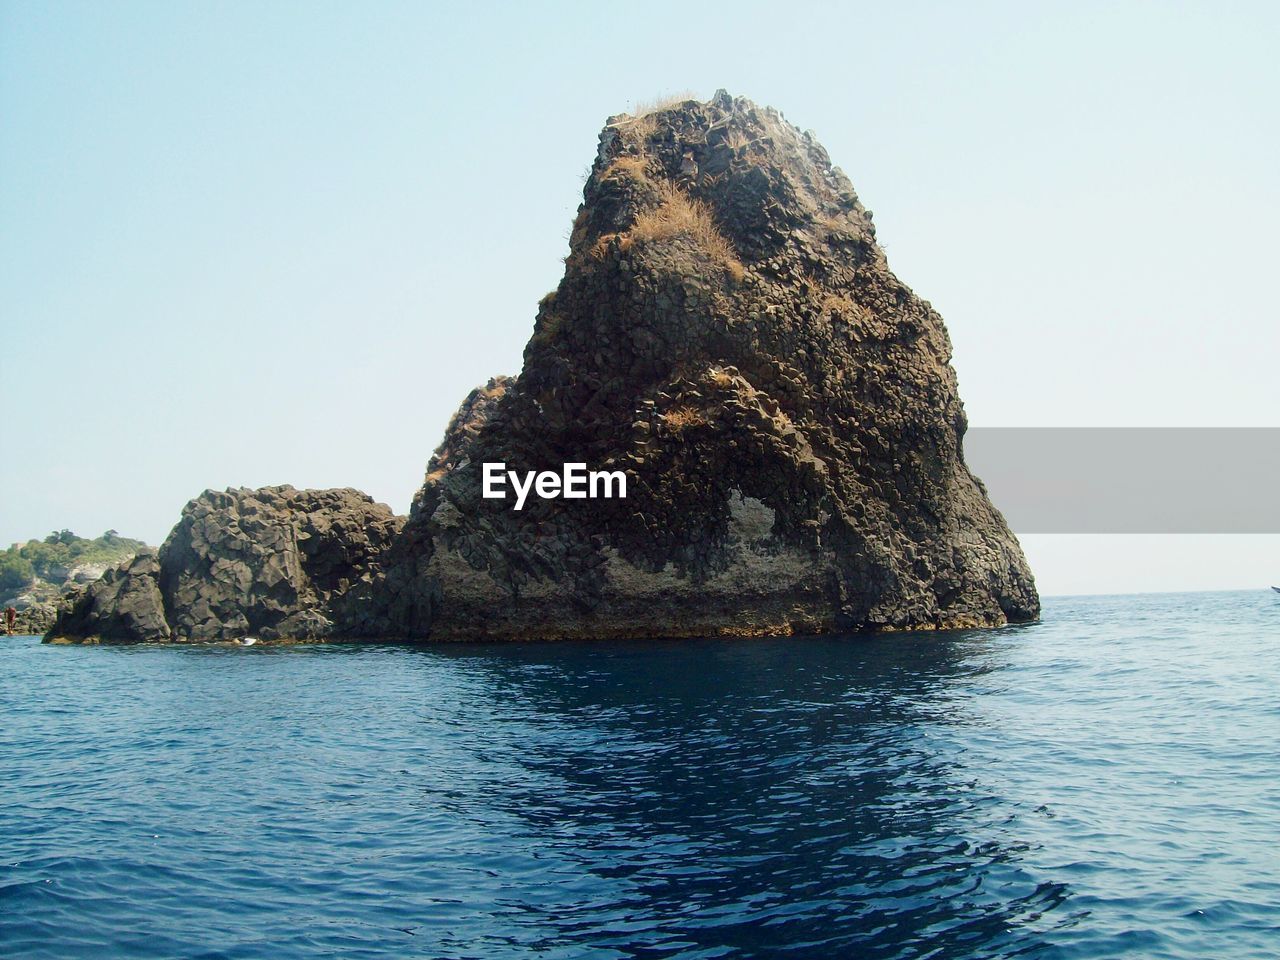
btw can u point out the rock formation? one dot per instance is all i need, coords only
(727, 334)
(272, 563)
(36, 619)
(124, 606)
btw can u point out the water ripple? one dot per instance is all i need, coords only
(1098, 785)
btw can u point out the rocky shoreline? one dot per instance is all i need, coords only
(729, 338)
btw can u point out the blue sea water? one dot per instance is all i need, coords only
(1105, 783)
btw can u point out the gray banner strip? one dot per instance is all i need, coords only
(1131, 480)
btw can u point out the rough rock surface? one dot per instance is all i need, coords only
(729, 335)
(123, 606)
(275, 562)
(463, 426)
(36, 619)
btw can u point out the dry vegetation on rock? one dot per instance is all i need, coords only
(683, 417)
(679, 215)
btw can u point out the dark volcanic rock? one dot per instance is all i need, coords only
(275, 562)
(463, 427)
(123, 606)
(729, 336)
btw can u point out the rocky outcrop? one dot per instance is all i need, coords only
(729, 337)
(728, 334)
(123, 606)
(275, 562)
(37, 618)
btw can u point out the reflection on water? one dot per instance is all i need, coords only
(962, 795)
(752, 796)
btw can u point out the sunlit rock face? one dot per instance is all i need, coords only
(274, 563)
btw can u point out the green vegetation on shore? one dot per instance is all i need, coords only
(53, 558)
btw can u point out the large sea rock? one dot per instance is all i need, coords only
(727, 334)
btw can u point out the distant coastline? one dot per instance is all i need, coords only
(40, 577)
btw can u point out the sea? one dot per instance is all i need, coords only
(1104, 783)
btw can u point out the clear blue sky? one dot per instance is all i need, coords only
(246, 244)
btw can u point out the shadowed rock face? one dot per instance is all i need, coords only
(729, 335)
(276, 562)
(123, 606)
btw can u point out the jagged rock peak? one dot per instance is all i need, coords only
(728, 333)
(768, 187)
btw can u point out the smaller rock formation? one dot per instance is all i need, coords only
(275, 562)
(124, 606)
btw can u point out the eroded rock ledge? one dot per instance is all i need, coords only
(727, 333)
